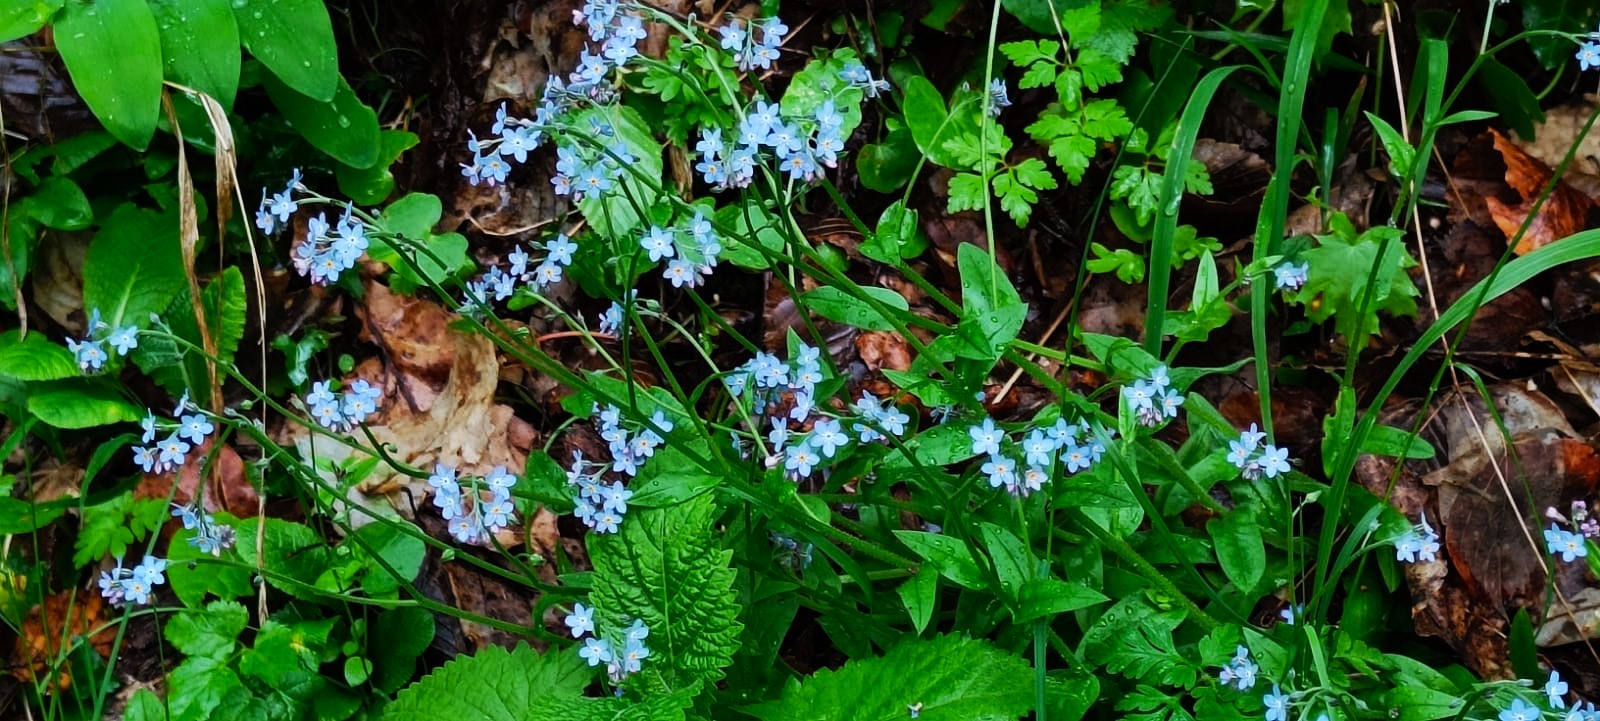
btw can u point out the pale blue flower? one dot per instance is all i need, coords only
(1520, 711)
(1567, 544)
(826, 436)
(124, 339)
(985, 437)
(1556, 690)
(195, 428)
(596, 651)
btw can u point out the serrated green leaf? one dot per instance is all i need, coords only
(665, 567)
(212, 633)
(1099, 69)
(496, 685)
(1340, 266)
(1106, 120)
(200, 43)
(1026, 52)
(616, 212)
(113, 50)
(966, 192)
(950, 677)
(198, 687)
(35, 358)
(1135, 640)
(283, 649)
(294, 39)
(343, 127)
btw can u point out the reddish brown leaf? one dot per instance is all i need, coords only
(1561, 215)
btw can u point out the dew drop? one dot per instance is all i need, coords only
(344, 122)
(306, 63)
(239, 4)
(256, 14)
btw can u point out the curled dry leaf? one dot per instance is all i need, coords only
(1563, 213)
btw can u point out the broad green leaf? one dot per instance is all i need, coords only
(80, 403)
(211, 633)
(282, 649)
(294, 39)
(946, 553)
(18, 516)
(840, 307)
(749, 223)
(496, 685)
(292, 550)
(35, 358)
(134, 266)
(403, 552)
(1069, 693)
(1391, 442)
(887, 166)
(820, 81)
(21, 18)
(950, 677)
(919, 594)
(928, 120)
(373, 185)
(398, 638)
(1237, 538)
(1012, 563)
(666, 567)
(113, 50)
(615, 212)
(412, 216)
(1042, 597)
(57, 203)
(198, 687)
(200, 42)
(989, 302)
(668, 479)
(175, 367)
(897, 236)
(343, 127)
(145, 705)
(192, 584)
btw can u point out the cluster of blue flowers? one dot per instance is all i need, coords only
(1041, 449)
(476, 521)
(1291, 277)
(1239, 672)
(188, 433)
(133, 585)
(600, 505)
(90, 353)
(1255, 458)
(792, 554)
(340, 413)
(687, 263)
(1570, 545)
(209, 536)
(619, 34)
(859, 77)
(750, 51)
(1153, 399)
(499, 283)
(801, 145)
(596, 650)
(1420, 542)
(328, 249)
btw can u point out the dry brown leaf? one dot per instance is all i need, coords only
(1563, 213)
(63, 619)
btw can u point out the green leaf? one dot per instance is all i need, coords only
(145, 705)
(897, 236)
(179, 369)
(887, 166)
(80, 403)
(1012, 562)
(928, 120)
(1027, 52)
(1044, 597)
(134, 266)
(949, 676)
(1070, 692)
(206, 576)
(200, 42)
(946, 553)
(496, 685)
(35, 358)
(1391, 442)
(284, 649)
(343, 127)
(1401, 154)
(615, 213)
(58, 203)
(1340, 266)
(18, 516)
(373, 185)
(1135, 640)
(402, 551)
(988, 299)
(21, 18)
(412, 216)
(398, 638)
(967, 192)
(292, 550)
(821, 80)
(294, 39)
(749, 223)
(840, 307)
(113, 50)
(198, 687)
(665, 567)
(919, 594)
(110, 527)
(1237, 538)
(212, 633)
(669, 479)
